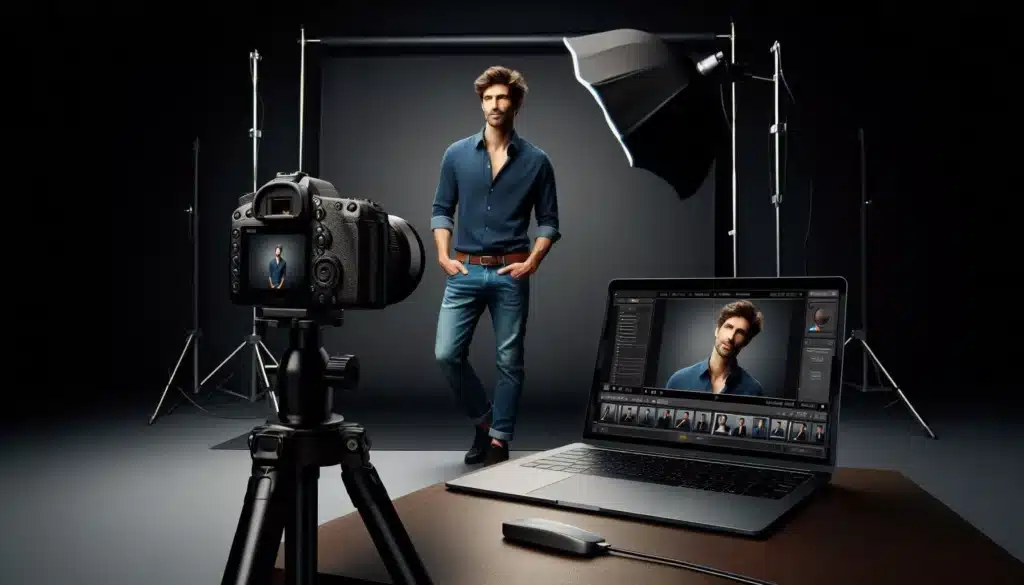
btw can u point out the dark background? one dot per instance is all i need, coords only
(118, 98)
(773, 357)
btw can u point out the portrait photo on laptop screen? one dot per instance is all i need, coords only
(740, 368)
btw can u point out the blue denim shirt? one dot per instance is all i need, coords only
(494, 215)
(277, 270)
(697, 378)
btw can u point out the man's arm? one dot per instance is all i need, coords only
(446, 198)
(284, 272)
(546, 212)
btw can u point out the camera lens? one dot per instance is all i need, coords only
(406, 260)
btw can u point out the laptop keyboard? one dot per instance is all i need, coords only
(756, 482)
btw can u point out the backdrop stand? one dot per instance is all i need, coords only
(253, 341)
(514, 41)
(867, 355)
(192, 341)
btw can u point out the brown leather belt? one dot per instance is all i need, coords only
(492, 260)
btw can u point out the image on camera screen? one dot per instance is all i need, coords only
(276, 261)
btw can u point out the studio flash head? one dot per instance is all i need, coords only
(296, 243)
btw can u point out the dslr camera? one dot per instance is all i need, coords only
(297, 244)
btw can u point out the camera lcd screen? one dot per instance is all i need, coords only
(277, 262)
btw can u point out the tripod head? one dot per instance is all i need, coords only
(307, 375)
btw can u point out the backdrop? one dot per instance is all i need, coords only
(386, 120)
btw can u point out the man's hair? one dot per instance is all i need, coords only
(279, 248)
(748, 311)
(499, 75)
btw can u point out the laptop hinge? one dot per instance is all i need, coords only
(822, 468)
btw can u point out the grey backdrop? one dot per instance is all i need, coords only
(689, 336)
(261, 251)
(386, 122)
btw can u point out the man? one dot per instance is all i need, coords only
(800, 432)
(779, 432)
(819, 434)
(741, 429)
(277, 269)
(820, 319)
(702, 424)
(684, 423)
(738, 325)
(721, 428)
(492, 179)
(759, 431)
(666, 420)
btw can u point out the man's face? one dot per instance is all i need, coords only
(277, 252)
(731, 337)
(819, 318)
(497, 105)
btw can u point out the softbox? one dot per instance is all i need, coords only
(663, 111)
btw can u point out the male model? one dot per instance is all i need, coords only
(277, 269)
(738, 325)
(489, 184)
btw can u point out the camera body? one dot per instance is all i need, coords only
(296, 243)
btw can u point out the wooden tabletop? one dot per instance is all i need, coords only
(868, 526)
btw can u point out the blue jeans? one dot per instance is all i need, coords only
(507, 299)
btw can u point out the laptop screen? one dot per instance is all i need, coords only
(746, 365)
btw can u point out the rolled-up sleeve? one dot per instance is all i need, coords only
(447, 195)
(546, 207)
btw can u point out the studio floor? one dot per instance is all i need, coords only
(111, 500)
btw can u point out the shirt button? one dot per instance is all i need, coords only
(488, 208)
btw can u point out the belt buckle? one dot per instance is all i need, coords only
(489, 260)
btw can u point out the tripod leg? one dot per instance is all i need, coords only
(223, 363)
(300, 549)
(370, 497)
(174, 374)
(270, 354)
(902, 396)
(262, 366)
(258, 536)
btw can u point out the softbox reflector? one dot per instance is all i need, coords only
(659, 107)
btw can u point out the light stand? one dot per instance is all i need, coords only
(255, 339)
(861, 334)
(192, 341)
(777, 129)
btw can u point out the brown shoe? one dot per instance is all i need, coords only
(496, 454)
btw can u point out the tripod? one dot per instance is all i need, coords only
(192, 341)
(859, 336)
(286, 459)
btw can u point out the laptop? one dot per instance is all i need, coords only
(669, 437)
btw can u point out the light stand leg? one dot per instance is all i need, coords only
(174, 374)
(859, 336)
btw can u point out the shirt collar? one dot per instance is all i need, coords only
(731, 379)
(514, 141)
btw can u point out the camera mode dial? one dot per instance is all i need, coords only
(342, 372)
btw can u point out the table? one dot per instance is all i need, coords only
(867, 526)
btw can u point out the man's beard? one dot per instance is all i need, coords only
(497, 119)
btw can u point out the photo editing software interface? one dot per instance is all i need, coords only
(744, 369)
